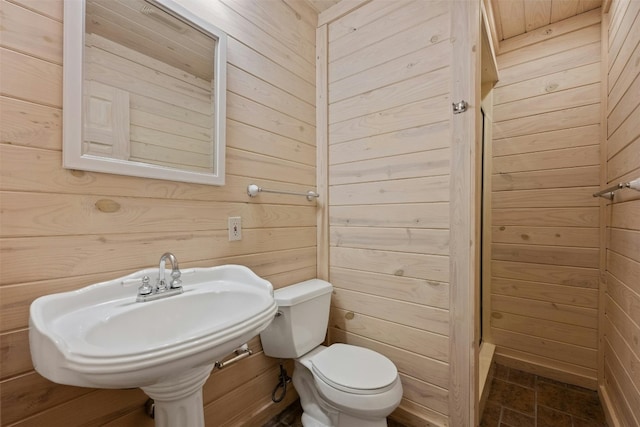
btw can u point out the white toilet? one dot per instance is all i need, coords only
(340, 385)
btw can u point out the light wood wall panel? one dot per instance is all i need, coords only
(545, 222)
(621, 299)
(389, 217)
(64, 229)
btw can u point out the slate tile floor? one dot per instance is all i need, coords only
(520, 399)
(517, 399)
(290, 417)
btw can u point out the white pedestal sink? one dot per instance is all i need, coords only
(99, 336)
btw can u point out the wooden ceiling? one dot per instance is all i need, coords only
(515, 17)
(322, 5)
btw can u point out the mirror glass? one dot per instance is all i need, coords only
(144, 95)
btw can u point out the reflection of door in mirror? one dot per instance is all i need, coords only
(148, 91)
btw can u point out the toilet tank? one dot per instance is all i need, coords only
(302, 324)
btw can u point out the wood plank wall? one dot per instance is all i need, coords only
(388, 170)
(545, 222)
(621, 302)
(57, 235)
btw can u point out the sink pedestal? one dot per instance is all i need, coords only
(178, 400)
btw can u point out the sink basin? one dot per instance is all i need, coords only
(99, 336)
(164, 324)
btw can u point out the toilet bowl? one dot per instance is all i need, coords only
(341, 385)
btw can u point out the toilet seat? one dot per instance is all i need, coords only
(364, 403)
(354, 370)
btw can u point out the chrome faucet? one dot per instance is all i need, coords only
(146, 292)
(161, 285)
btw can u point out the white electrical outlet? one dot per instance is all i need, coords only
(235, 228)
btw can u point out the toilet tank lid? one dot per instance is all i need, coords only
(301, 292)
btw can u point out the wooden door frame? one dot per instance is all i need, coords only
(463, 246)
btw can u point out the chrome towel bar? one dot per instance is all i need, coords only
(253, 190)
(608, 193)
(240, 353)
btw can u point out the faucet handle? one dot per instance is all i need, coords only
(144, 288)
(175, 279)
